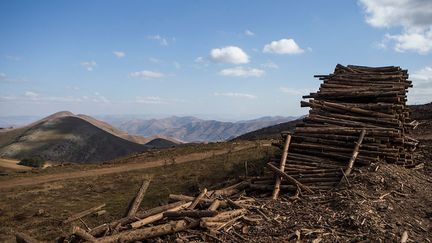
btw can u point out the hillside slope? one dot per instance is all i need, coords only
(271, 132)
(192, 129)
(64, 137)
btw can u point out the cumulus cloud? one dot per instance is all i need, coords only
(249, 33)
(90, 65)
(414, 16)
(229, 54)
(162, 40)
(283, 46)
(242, 72)
(119, 54)
(235, 95)
(146, 74)
(422, 86)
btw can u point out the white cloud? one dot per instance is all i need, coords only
(146, 74)
(417, 42)
(414, 16)
(294, 91)
(154, 60)
(89, 65)
(229, 54)
(283, 46)
(235, 95)
(249, 33)
(242, 72)
(162, 40)
(119, 54)
(31, 94)
(270, 64)
(422, 86)
(149, 100)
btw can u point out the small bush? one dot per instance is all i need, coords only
(35, 162)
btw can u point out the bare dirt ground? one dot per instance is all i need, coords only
(12, 164)
(114, 169)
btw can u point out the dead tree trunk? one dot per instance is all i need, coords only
(282, 167)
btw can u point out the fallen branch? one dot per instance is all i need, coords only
(355, 153)
(276, 189)
(83, 234)
(156, 217)
(83, 213)
(138, 198)
(197, 199)
(289, 178)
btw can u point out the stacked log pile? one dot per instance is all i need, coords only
(350, 100)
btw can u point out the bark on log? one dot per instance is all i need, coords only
(140, 214)
(156, 217)
(139, 197)
(289, 178)
(225, 216)
(276, 189)
(214, 205)
(197, 199)
(83, 234)
(83, 213)
(149, 232)
(355, 153)
(191, 213)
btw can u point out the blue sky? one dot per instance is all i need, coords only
(222, 59)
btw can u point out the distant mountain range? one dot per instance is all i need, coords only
(65, 137)
(192, 129)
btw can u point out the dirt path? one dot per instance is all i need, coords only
(14, 182)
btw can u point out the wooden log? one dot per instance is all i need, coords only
(289, 178)
(204, 201)
(83, 213)
(230, 190)
(197, 199)
(24, 238)
(139, 197)
(150, 232)
(156, 217)
(347, 108)
(225, 216)
(214, 205)
(281, 167)
(355, 153)
(191, 213)
(139, 215)
(83, 234)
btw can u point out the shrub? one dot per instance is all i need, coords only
(35, 162)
